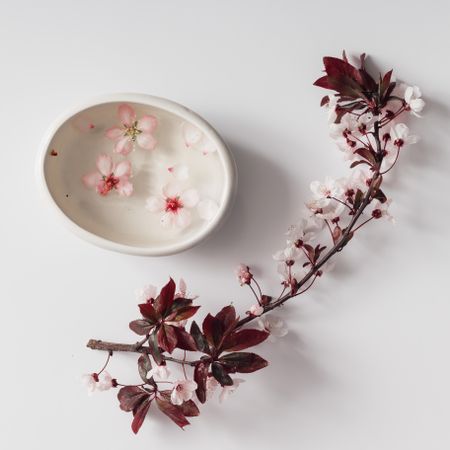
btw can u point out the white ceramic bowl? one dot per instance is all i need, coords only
(70, 150)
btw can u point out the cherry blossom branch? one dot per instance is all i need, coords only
(359, 111)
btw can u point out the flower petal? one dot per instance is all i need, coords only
(179, 171)
(124, 187)
(127, 114)
(123, 169)
(207, 209)
(171, 190)
(147, 123)
(124, 145)
(189, 198)
(114, 133)
(104, 164)
(182, 218)
(146, 140)
(91, 179)
(167, 220)
(191, 134)
(155, 204)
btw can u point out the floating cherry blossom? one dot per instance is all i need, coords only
(110, 177)
(194, 138)
(175, 204)
(132, 131)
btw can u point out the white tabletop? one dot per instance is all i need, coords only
(365, 364)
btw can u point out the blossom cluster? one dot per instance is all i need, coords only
(366, 124)
(175, 201)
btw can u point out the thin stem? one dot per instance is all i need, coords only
(255, 294)
(362, 224)
(341, 202)
(106, 363)
(258, 286)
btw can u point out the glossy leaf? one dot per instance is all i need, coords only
(144, 365)
(139, 415)
(154, 348)
(200, 377)
(165, 299)
(220, 374)
(184, 340)
(243, 362)
(167, 339)
(174, 412)
(130, 397)
(243, 339)
(200, 340)
(141, 327)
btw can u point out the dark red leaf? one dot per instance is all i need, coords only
(200, 377)
(167, 339)
(184, 340)
(144, 365)
(243, 339)
(212, 329)
(165, 299)
(154, 348)
(139, 415)
(243, 362)
(357, 163)
(366, 154)
(227, 317)
(358, 199)
(325, 100)
(183, 313)
(200, 340)
(385, 83)
(220, 374)
(174, 412)
(380, 195)
(148, 311)
(130, 397)
(189, 409)
(141, 327)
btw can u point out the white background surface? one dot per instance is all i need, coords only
(366, 363)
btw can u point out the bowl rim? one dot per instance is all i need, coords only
(227, 160)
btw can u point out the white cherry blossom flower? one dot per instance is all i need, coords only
(106, 382)
(90, 380)
(183, 390)
(159, 372)
(207, 209)
(179, 171)
(305, 230)
(380, 210)
(289, 273)
(324, 204)
(174, 203)
(211, 386)
(146, 293)
(273, 325)
(228, 390)
(401, 137)
(413, 100)
(256, 310)
(289, 255)
(193, 137)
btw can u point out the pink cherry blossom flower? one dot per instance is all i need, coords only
(273, 325)
(256, 310)
(289, 255)
(90, 380)
(228, 390)
(110, 176)
(243, 274)
(183, 390)
(304, 231)
(174, 203)
(413, 99)
(159, 372)
(132, 131)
